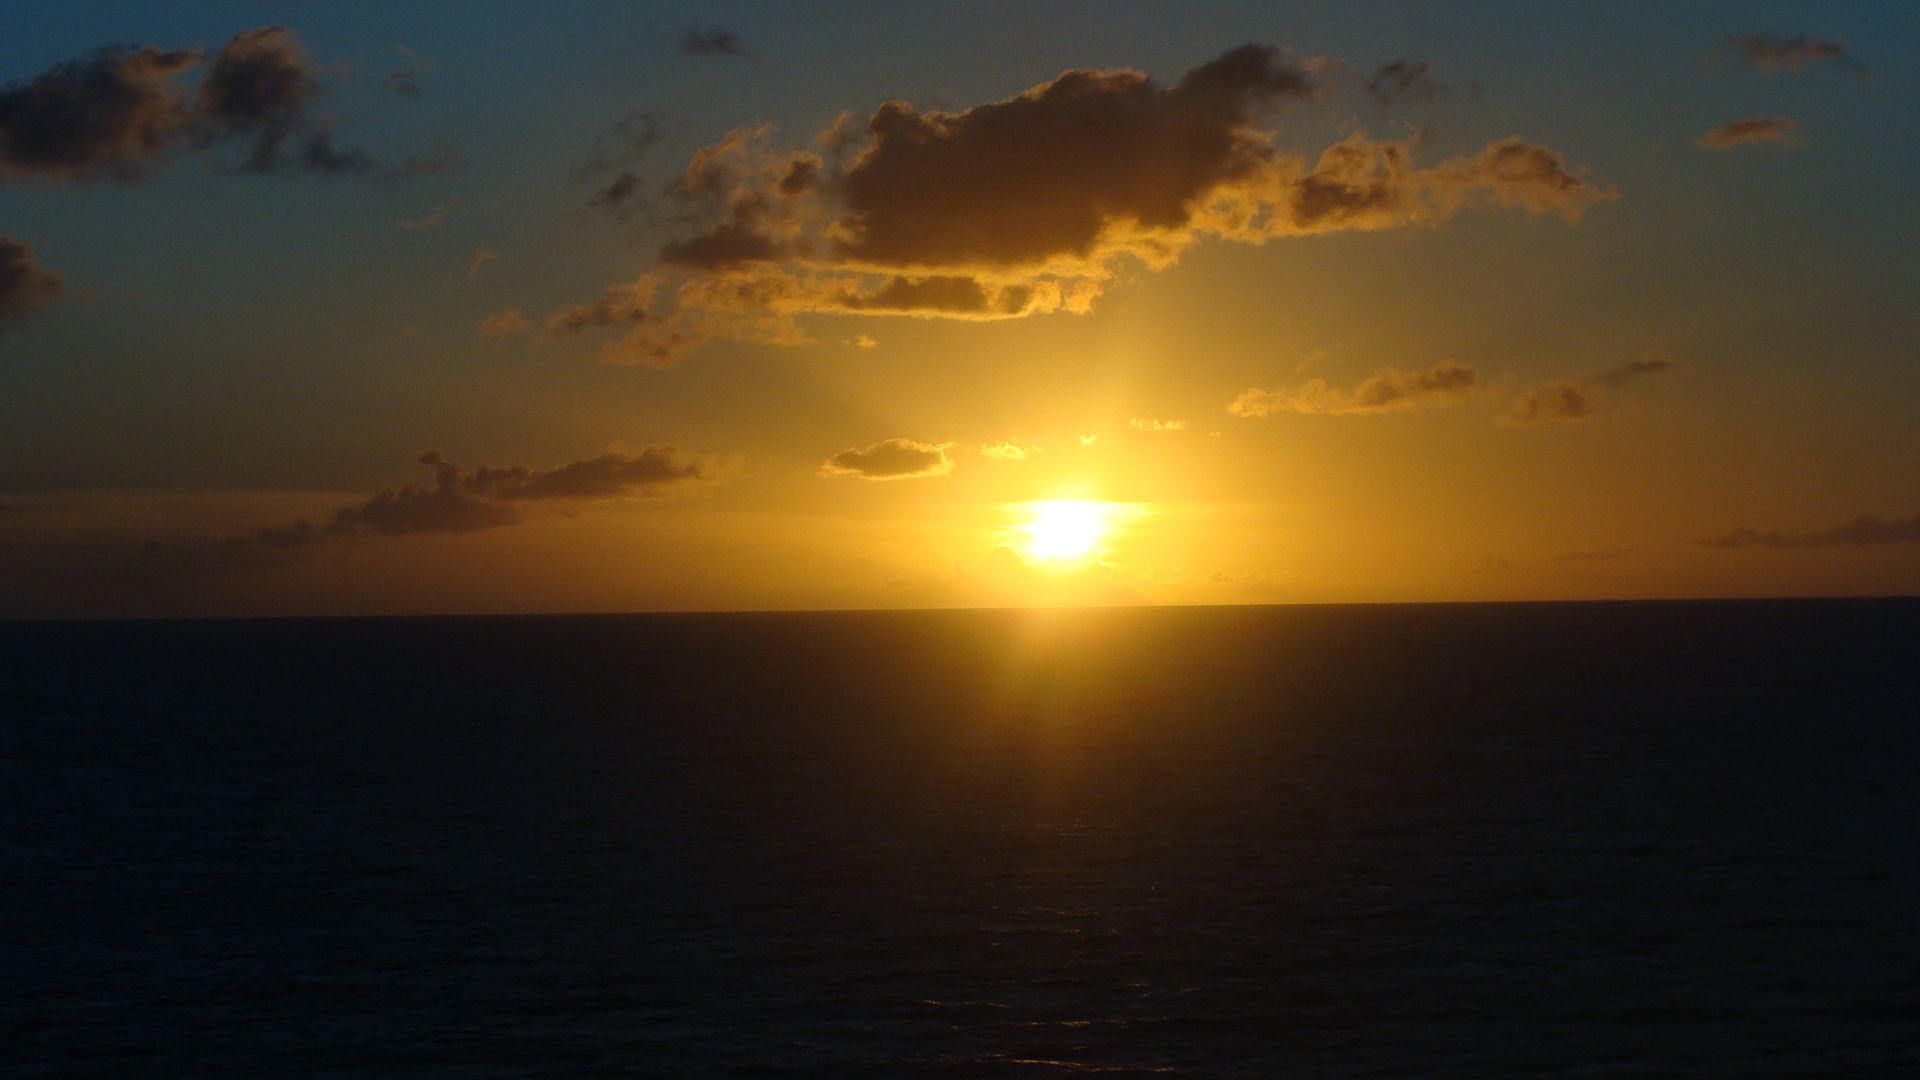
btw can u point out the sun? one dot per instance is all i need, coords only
(1065, 529)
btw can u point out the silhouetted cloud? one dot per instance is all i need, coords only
(1406, 80)
(25, 289)
(1026, 206)
(891, 459)
(120, 112)
(1772, 54)
(1445, 384)
(1562, 399)
(1863, 531)
(1578, 399)
(1651, 364)
(696, 41)
(404, 81)
(113, 114)
(1750, 130)
(614, 159)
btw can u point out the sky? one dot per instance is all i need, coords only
(351, 308)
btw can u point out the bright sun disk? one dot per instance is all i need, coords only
(1062, 528)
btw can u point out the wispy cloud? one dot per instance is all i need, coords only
(1863, 531)
(1773, 55)
(1579, 399)
(1444, 384)
(699, 41)
(1751, 130)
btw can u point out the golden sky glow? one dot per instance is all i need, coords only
(1400, 308)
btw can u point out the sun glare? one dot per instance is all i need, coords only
(1062, 529)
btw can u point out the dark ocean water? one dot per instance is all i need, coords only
(1581, 840)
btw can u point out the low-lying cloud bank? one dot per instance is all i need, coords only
(1025, 206)
(1863, 531)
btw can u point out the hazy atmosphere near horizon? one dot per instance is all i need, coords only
(353, 308)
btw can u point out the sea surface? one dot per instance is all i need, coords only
(1480, 841)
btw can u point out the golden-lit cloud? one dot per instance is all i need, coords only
(1578, 399)
(1863, 531)
(1008, 449)
(1445, 384)
(1144, 424)
(25, 289)
(1749, 131)
(891, 459)
(1024, 206)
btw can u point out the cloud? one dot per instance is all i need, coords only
(1750, 130)
(1445, 384)
(1579, 399)
(404, 81)
(504, 323)
(1406, 80)
(1157, 425)
(121, 112)
(613, 162)
(890, 459)
(699, 42)
(25, 289)
(480, 259)
(1773, 55)
(1562, 399)
(1863, 531)
(1008, 450)
(1029, 205)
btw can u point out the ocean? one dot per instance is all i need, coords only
(1594, 840)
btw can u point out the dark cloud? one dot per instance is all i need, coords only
(404, 81)
(1863, 531)
(1562, 399)
(25, 289)
(112, 114)
(1772, 54)
(1579, 399)
(614, 159)
(1406, 80)
(1651, 364)
(1031, 204)
(1445, 384)
(696, 41)
(121, 112)
(892, 459)
(1750, 130)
